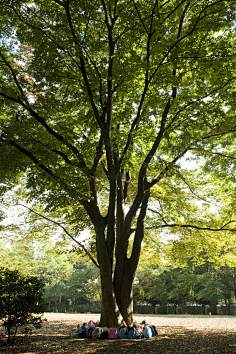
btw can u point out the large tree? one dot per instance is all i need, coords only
(100, 101)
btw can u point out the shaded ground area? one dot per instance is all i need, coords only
(177, 334)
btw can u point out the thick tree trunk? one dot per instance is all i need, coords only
(125, 298)
(126, 305)
(113, 315)
(228, 307)
(117, 305)
(116, 308)
(73, 304)
(163, 304)
(110, 313)
(117, 286)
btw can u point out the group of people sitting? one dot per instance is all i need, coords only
(93, 330)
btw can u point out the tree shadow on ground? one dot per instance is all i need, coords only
(184, 342)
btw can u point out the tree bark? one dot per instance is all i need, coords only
(116, 311)
(117, 288)
(110, 313)
(125, 295)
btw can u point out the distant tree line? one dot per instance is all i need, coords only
(73, 284)
(202, 284)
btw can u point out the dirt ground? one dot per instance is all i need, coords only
(183, 334)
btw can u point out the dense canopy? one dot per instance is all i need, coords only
(101, 102)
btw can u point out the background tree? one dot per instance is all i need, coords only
(71, 282)
(21, 299)
(100, 101)
(225, 276)
(201, 284)
(147, 287)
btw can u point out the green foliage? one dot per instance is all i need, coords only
(70, 280)
(113, 111)
(80, 308)
(143, 309)
(204, 284)
(21, 299)
(40, 74)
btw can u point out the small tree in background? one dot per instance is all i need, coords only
(21, 300)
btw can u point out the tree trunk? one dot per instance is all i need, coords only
(117, 285)
(163, 304)
(203, 309)
(176, 312)
(213, 307)
(228, 305)
(181, 303)
(110, 313)
(126, 302)
(116, 309)
(8, 335)
(73, 304)
(113, 315)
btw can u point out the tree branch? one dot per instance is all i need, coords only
(200, 227)
(64, 229)
(46, 169)
(156, 212)
(166, 225)
(162, 173)
(83, 69)
(223, 155)
(98, 155)
(50, 130)
(136, 8)
(147, 82)
(14, 78)
(215, 90)
(46, 34)
(179, 39)
(126, 186)
(184, 180)
(173, 11)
